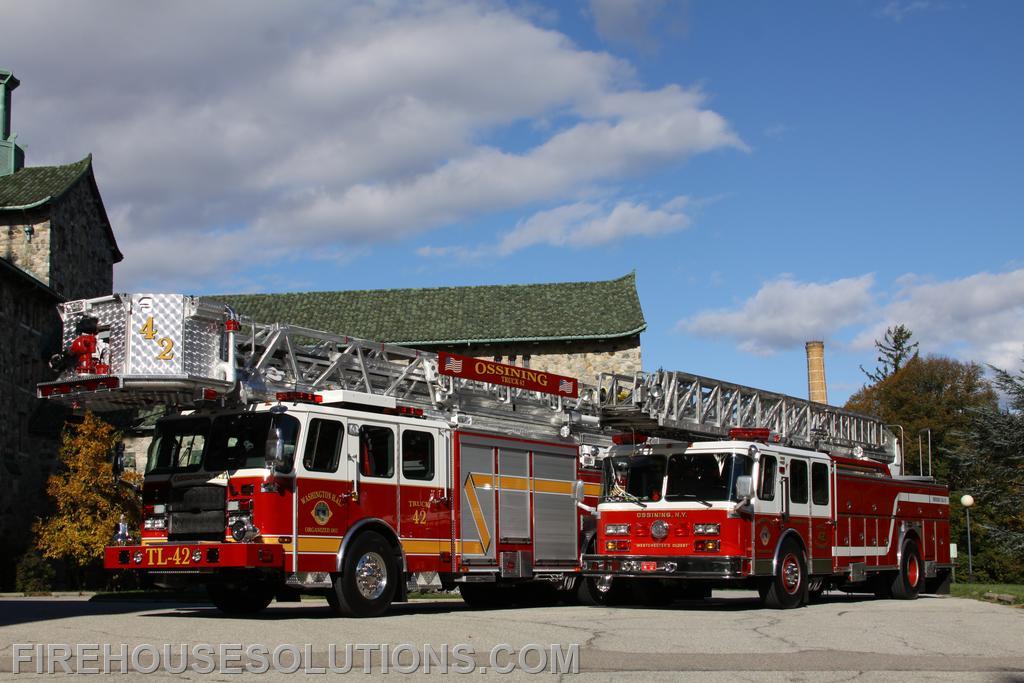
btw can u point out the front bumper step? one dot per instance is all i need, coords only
(189, 557)
(661, 566)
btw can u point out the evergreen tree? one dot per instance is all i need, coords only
(991, 468)
(894, 351)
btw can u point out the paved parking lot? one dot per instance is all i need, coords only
(726, 638)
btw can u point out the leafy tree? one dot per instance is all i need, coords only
(991, 468)
(87, 500)
(933, 393)
(894, 350)
(34, 574)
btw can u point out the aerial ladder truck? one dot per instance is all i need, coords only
(713, 484)
(295, 460)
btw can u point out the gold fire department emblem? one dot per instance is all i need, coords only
(322, 513)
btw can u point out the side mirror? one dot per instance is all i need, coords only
(578, 491)
(744, 487)
(274, 453)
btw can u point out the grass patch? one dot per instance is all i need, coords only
(977, 591)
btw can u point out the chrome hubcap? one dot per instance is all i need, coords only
(604, 584)
(790, 574)
(371, 576)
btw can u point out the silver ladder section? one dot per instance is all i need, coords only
(684, 406)
(174, 351)
(276, 358)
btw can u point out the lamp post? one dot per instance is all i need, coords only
(967, 500)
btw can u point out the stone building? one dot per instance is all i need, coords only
(580, 329)
(56, 243)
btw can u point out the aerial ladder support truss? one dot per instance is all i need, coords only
(218, 355)
(686, 406)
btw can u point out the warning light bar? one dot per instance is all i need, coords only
(762, 434)
(624, 438)
(404, 410)
(299, 397)
(95, 384)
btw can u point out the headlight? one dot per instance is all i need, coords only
(659, 529)
(616, 529)
(705, 529)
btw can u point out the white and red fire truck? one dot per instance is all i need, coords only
(814, 497)
(296, 460)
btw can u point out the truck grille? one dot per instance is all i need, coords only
(197, 514)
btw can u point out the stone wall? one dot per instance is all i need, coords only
(28, 428)
(81, 259)
(64, 245)
(584, 360)
(25, 242)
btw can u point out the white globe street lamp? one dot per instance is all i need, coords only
(967, 500)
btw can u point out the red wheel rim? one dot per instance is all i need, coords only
(913, 571)
(791, 574)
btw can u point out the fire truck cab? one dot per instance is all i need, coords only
(685, 517)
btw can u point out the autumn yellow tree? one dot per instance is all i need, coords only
(87, 500)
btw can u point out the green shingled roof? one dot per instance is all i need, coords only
(459, 315)
(35, 185)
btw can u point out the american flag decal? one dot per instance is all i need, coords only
(452, 364)
(565, 386)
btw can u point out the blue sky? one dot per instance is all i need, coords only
(773, 172)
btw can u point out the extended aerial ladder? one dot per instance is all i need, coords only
(686, 406)
(174, 350)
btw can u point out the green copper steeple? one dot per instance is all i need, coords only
(12, 157)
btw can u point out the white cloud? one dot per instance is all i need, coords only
(979, 317)
(898, 10)
(785, 313)
(579, 225)
(286, 128)
(583, 224)
(633, 21)
(975, 318)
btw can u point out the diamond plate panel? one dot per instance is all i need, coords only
(204, 339)
(112, 317)
(161, 355)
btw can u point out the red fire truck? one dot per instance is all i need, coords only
(293, 460)
(817, 499)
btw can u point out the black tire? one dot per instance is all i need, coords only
(240, 599)
(588, 594)
(909, 579)
(486, 595)
(368, 579)
(788, 588)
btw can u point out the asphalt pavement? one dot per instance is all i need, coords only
(728, 637)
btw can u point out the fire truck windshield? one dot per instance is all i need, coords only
(704, 477)
(225, 442)
(634, 478)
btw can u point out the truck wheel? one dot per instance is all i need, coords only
(910, 577)
(486, 595)
(368, 579)
(240, 599)
(788, 588)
